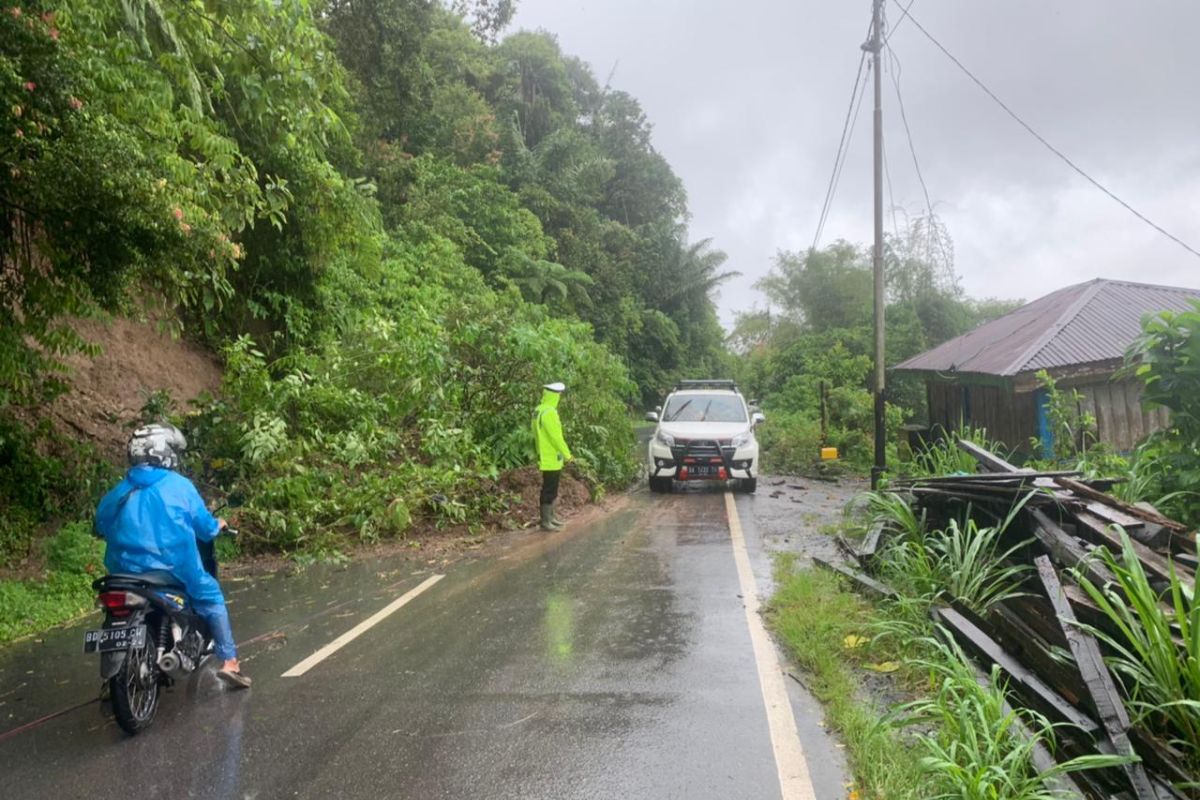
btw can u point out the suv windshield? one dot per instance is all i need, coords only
(704, 408)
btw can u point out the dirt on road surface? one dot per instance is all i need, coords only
(798, 515)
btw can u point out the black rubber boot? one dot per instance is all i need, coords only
(554, 520)
(548, 517)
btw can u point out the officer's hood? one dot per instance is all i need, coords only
(144, 475)
(550, 398)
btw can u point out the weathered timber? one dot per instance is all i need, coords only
(1097, 531)
(863, 582)
(862, 552)
(870, 543)
(960, 494)
(1014, 633)
(988, 460)
(1163, 759)
(1112, 515)
(998, 488)
(990, 477)
(1021, 680)
(1099, 682)
(1036, 612)
(1067, 550)
(1089, 493)
(1188, 560)
(847, 549)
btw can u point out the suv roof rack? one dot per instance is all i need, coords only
(707, 384)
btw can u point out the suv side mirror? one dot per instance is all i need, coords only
(757, 418)
(652, 416)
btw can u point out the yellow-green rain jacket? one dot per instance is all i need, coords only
(552, 449)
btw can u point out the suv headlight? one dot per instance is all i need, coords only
(742, 439)
(664, 438)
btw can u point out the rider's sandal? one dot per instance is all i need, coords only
(236, 680)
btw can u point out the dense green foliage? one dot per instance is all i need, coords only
(394, 225)
(1166, 468)
(818, 333)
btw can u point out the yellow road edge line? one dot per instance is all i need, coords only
(361, 628)
(795, 783)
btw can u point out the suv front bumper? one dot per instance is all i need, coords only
(669, 462)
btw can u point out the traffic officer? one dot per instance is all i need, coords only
(552, 451)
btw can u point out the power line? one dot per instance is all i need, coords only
(887, 174)
(839, 158)
(892, 31)
(930, 232)
(1062, 156)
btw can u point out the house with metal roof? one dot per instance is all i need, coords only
(1079, 334)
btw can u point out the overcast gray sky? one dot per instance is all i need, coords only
(748, 99)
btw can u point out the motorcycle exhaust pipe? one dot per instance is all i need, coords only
(176, 665)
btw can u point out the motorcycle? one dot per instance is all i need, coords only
(150, 639)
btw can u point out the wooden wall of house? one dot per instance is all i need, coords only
(1011, 417)
(1008, 417)
(1120, 419)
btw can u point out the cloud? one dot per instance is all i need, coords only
(748, 101)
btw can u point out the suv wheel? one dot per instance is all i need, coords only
(748, 485)
(660, 484)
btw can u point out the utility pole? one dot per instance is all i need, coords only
(875, 46)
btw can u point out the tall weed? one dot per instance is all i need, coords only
(979, 750)
(1157, 651)
(945, 457)
(963, 561)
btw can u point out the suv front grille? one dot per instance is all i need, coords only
(701, 450)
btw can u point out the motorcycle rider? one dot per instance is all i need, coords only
(153, 519)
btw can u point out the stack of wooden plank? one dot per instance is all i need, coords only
(1052, 664)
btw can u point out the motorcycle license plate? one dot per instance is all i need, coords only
(106, 640)
(704, 471)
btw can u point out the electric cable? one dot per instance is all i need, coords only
(887, 175)
(1062, 156)
(930, 231)
(839, 157)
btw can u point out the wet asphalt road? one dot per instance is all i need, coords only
(611, 660)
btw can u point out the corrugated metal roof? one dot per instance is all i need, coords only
(1082, 324)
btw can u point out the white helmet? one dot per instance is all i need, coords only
(158, 444)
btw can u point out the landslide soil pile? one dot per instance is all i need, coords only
(106, 394)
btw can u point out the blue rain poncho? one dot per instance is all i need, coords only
(151, 521)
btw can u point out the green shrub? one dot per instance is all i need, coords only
(75, 550)
(411, 412)
(44, 477)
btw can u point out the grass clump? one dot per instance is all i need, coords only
(73, 558)
(828, 631)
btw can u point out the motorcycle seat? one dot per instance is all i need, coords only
(159, 579)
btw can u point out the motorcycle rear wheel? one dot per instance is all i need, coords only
(135, 688)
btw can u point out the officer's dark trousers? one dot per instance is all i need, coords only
(550, 485)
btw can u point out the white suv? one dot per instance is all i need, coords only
(705, 432)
